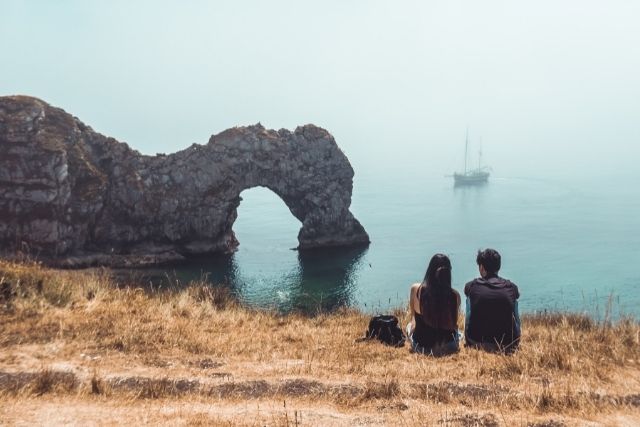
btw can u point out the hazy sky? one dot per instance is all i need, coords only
(551, 87)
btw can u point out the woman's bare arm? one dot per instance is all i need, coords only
(414, 304)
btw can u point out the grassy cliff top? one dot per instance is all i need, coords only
(77, 347)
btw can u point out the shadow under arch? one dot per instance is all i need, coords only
(327, 279)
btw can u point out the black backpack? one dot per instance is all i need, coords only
(384, 327)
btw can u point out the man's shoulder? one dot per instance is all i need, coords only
(508, 282)
(515, 288)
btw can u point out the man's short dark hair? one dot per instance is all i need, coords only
(489, 259)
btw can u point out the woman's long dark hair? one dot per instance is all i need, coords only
(438, 301)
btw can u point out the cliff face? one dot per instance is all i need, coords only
(72, 195)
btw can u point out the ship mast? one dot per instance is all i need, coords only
(466, 148)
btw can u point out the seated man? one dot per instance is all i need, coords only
(492, 322)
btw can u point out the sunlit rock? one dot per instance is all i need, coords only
(76, 197)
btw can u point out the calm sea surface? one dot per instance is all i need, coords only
(568, 245)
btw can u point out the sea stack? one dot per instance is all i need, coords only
(74, 197)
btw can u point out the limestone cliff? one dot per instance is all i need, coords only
(70, 194)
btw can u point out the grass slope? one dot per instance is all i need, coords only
(77, 348)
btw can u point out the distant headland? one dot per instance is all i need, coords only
(76, 198)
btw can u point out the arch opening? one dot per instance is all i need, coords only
(264, 222)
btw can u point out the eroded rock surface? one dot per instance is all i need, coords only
(73, 195)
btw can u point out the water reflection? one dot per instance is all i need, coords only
(461, 185)
(316, 281)
(327, 278)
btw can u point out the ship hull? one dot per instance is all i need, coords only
(478, 178)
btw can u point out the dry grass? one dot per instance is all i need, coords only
(79, 336)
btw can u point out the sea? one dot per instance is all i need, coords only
(571, 245)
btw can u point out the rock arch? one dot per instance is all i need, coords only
(70, 193)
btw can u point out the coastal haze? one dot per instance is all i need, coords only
(549, 91)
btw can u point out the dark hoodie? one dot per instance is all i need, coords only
(492, 312)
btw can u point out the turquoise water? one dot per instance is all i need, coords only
(568, 244)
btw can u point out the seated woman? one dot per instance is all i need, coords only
(434, 308)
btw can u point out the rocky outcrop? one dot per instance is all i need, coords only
(69, 193)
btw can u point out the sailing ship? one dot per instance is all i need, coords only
(479, 175)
